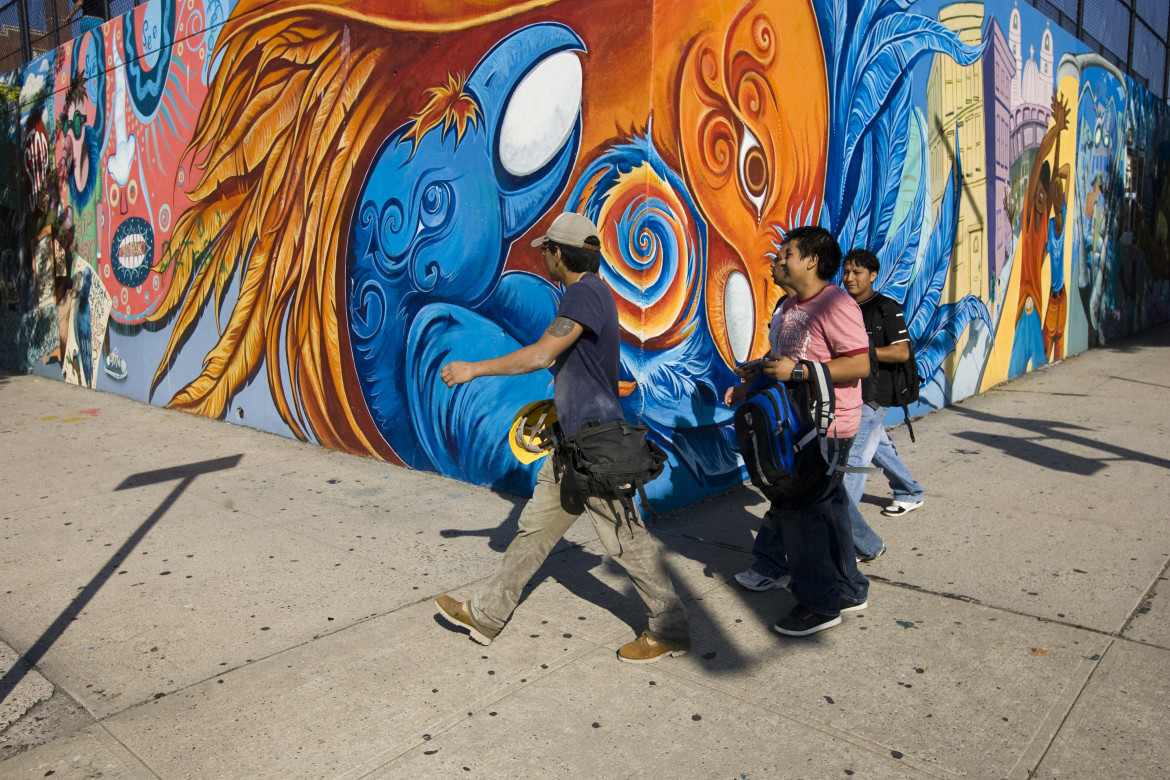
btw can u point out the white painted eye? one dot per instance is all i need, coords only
(753, 170)
(541, 114)
(739, 314)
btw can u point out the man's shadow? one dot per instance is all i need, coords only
(500, 536)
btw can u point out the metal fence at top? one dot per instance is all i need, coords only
(30, 28)
(1132, 34)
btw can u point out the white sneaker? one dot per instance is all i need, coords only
(899, 508)
(753, 580)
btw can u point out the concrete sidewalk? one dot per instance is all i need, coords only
(201, 600)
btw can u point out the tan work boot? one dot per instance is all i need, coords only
(645, 650)
(458, 614)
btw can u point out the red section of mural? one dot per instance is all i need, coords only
(146, 176)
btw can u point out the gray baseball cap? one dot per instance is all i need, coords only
(569, 229)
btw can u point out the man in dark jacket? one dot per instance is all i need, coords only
(891, 343)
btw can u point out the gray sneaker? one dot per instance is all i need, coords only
(753, 580)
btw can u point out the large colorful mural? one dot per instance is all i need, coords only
(290, 215)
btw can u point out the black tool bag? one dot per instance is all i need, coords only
(613, 461)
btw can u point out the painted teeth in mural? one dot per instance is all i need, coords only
(294, 212)
(132, 252)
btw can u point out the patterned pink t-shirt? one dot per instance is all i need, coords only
(828, 325)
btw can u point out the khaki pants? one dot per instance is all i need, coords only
(554, 507)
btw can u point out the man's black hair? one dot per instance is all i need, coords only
(863, 258)
(813, 240)
(578, 259)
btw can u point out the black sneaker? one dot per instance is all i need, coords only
(853, 606)
(867, 558)
(803, 621)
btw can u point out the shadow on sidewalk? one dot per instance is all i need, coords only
(1034, 451)
(499, 536)
(186, 474)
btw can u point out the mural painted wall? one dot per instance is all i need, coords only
(290, 215)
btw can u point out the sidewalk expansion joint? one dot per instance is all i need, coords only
(723, 545)
(1140, 382)
(1029, 759)
(1050, 392)
(1010, 611)
(1147, 598)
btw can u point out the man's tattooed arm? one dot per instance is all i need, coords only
(561, 326)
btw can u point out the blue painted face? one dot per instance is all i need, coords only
(430, 222)
(428, 244)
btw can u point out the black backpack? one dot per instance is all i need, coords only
(613, 461)
(904, 376)
(906, 386)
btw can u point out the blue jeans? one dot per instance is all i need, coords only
(865, 444)
(905, 487)
(810, 537)
(883, 454)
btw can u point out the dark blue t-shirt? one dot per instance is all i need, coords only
(586, 386)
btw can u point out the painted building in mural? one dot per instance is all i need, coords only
(998, 71)
(289, 215)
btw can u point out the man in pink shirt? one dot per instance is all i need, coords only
(806, 542)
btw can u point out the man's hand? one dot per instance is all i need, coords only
(735, 394)
(780, 368)
(457, 373)
(747, 373)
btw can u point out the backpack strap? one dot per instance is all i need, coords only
(824, 412)
(873, 315)
(824, 402)
(909, 426)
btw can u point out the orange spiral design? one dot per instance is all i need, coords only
(652, 250)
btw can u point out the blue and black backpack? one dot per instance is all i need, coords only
(780, 429)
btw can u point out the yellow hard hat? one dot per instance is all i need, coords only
(531, 434)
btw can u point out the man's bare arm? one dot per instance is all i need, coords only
(848, 368)
(561, 334)
(894, 353)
